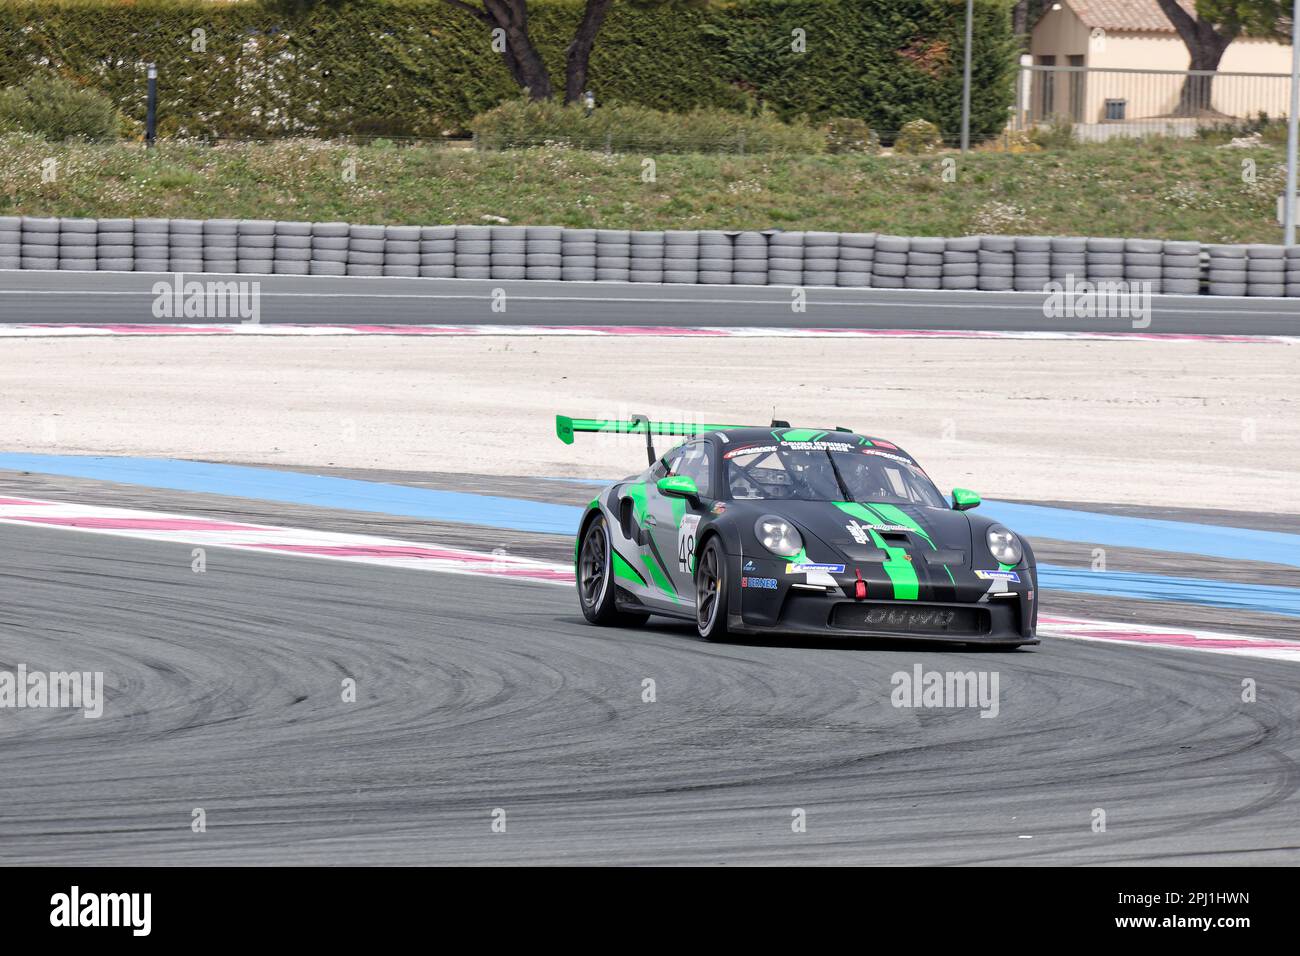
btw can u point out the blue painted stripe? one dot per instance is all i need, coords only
(266, 484)
(515, 514)
(1118, 531)
(1155, 587)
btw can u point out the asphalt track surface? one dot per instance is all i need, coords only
(475, 694)
(106, 297)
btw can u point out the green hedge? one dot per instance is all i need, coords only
(422, 68)
(520, 123)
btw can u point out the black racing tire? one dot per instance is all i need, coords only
(711, 583)
(594, 571)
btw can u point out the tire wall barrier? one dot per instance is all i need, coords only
(851, 260)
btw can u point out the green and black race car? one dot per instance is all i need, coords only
(748, 529)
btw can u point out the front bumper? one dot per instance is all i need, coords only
(964, 623)
(1006, 619)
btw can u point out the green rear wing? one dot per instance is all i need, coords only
(567, 427)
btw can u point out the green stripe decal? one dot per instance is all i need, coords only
(660, 579)
(624, 570)
(894, 515)
(637, 492)
(907, 586)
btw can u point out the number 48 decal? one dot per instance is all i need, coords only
(686, 543)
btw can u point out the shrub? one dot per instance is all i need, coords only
(847, 134)
(520, 123)
(1010, 141)
(1057, 134)
(57, 109)
(918, 136)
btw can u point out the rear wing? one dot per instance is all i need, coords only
(567, 427)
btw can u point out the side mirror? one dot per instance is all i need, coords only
(964, 499)
(678, 486)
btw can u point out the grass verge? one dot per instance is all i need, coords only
(1153, 188)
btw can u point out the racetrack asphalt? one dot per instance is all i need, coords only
(32, 296)
(225, 688)
(477, 694)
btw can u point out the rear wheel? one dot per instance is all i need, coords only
(711, 592)
(596, 588)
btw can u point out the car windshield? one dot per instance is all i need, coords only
(826, 471)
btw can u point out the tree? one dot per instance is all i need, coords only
(521, 56)
(1209, 33)
(1025, 13)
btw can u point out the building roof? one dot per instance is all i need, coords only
(1141, 16)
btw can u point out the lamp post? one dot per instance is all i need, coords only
(151, 106)
(1293, 130)
(965, 81)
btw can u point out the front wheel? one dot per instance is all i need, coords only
(711, 592)
(596, 579)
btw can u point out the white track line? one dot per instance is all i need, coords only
(292, 542)
(698, 332)
(390, 552)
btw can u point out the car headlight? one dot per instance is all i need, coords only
(1004, 546)
(778, 536)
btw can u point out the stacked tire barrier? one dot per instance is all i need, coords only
(845, 260)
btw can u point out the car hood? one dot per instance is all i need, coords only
(857, 531)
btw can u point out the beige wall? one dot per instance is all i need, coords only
(1061, 33)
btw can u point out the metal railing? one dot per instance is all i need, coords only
(1104, 104)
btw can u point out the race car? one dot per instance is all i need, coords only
(803, 531)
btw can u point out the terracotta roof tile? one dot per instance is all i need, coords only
(1138, 15)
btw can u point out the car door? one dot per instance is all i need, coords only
(642, 510)
(677, 520)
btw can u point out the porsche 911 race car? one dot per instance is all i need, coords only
(751, 529)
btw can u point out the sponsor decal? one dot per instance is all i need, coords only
(885, 454)
(818, 445)
(913, 619)
(765, 584)
(805, 568)
(749, 566)
(861, 534)
(998, 576)
(749, 450)
(884, 444)
(718, 508)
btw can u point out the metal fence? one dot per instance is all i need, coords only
(1108, 103)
